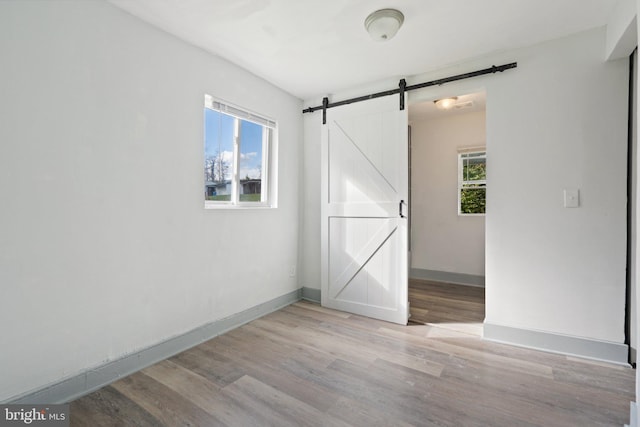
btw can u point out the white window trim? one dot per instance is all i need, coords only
(461, 181)
(269, 157)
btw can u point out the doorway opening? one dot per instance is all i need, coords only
(447, 192)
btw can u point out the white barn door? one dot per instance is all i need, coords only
(364, 211)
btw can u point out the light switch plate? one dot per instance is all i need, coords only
(571, 198)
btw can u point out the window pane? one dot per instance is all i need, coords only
(473, 200)
(237, 147)
(218, 155)
(251, 156)
(474, 169)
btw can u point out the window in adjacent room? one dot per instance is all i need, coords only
(472, 182)
(238, 150)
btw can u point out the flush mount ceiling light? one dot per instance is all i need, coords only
(383, 24)
(446, 103)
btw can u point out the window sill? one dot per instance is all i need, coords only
(224, 206)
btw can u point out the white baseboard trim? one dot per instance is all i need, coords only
(557, 343)
(448, 277)
(311, 294)
(633, 415)
(92, 379)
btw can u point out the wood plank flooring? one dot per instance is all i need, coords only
(309, 366)
(435, 302)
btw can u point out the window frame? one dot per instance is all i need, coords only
(470, 184)
(268, 180)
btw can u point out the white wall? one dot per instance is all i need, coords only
(105, 247)
(557, 121)
(310, 216)
(563, 113)
(622, 31)
(441, 239)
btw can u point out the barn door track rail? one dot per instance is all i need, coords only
(402, 88)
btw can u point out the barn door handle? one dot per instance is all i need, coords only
(400, 209)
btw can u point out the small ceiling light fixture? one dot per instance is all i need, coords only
(383, 24)
(446, 103)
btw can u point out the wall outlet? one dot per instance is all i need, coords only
(571, 198)
(292, 271)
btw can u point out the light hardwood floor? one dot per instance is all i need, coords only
(306, 365)
(435, 302)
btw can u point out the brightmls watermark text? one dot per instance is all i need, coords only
(34, 415)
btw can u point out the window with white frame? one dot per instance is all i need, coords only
(238, 150)
(472, 181)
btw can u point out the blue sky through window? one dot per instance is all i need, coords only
(219, 141)
(250, 150)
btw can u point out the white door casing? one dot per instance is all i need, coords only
(364, 176)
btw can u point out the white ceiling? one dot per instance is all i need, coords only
(313, 48)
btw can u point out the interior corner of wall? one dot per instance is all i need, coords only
(622, 30)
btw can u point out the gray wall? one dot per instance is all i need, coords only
(441, 239)
(105, 247)
(558, 122)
